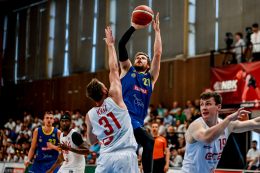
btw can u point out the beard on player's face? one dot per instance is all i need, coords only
(65, 127)
(139, 68)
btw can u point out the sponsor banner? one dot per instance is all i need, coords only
(14, 168)
(238, 84)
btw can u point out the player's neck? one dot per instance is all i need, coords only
(155, 135)
(101, 102)
(47, 129)
(211, 122)
(66, 132)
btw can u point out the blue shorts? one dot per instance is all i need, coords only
(135, 123)
(38, 167)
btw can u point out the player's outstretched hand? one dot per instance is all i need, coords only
(239, 112)
(26, 163)
(156, 26)
(63, 146)
(137, 26)
(109, 37)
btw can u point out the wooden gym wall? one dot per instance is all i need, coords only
(179, 80)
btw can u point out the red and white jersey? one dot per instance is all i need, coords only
(72, 162)
(204, 158)
(112, 126)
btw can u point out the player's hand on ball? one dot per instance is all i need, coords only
(109, 37)
(243, 117)
(137, 26)
(239, 112)
(26, 163)
(156, 26)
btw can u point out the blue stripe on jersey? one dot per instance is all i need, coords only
(43, 153)
(137, 90)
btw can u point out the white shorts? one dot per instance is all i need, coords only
(120, 161)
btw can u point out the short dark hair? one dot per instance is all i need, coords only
(254, 141)
(156, 123)
(217, 97)
(240, 34)
(255, 25)
(95, 90)
(47, 112)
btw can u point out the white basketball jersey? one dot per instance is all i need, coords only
(204, 158)
(73, 163)
(112, 126)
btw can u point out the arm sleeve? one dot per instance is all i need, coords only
(76, 138)
(123, 56)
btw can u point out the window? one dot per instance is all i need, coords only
(192, 29)
(93, 62)
(66, 58)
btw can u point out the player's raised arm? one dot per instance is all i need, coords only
(57, 163)
(125, 63)
(91, 137)
(155, 66)
(199, 132)
(32, 149)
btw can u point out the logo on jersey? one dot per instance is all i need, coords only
(207, 147)
(138, 101)
(133, 75)
(144, 91)
(213, 156)
(223, 133)
(46, 149)
(40, 137)
(53, 135)
(68, 138)
(40, 140)
(108, 140)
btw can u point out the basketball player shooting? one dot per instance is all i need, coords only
(207, 135)
(109, 122)
(73, 149)
(137, 84)
(46, 139)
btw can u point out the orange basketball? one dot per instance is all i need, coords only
(142, 15)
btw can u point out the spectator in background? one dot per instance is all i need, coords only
(168, 119)
(160, 109)
(21, 139)
(62, 112)
(56, 122)
(187, 109)
(78, 112)
(9, 146)
(93, 149)
(193, 114)
(162, 130)
(197, 105)
(172, 137)
(28, 132)
(85, 136)
(18, 126)
(84, 128)
(252, 157)
(182, 148)
(175, 108)
(180, 116)
(175, 158)
(36, 123)
(11, 134)
(255, 39)
(73, 126)
(148, 117)
(25, 115)
(29, 124)
(180, 128)
(239, 47)
(78, 121)
(10, 124)
(57, 114)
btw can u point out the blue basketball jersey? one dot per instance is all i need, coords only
(43, 153)
(137, 90)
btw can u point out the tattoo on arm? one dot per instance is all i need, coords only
(83, 149)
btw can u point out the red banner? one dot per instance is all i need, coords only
(238, 83)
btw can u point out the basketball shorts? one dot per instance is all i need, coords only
(119, 161)
(42, 167)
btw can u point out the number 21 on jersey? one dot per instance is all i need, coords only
(107, 125)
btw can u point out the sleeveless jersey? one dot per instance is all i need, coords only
(72, 162)
(112, 126)
(200, 157)
(44, 153)
(137, 90)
